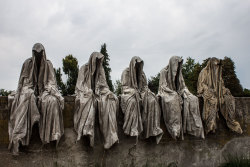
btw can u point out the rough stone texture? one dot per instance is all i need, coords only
(68, 111)
(4, 137)
(190, 152)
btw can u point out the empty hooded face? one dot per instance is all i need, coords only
(215, 62)
(138, 70)
(98, 63)
(38, 57)
(38, 53)
(95, 61)
(176, 64)
(95, 64)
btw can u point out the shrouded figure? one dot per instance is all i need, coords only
(180, 108)
(36, 99)
(216, 97)
(139, 105)
(93, 95)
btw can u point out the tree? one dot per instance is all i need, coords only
(60, 84)
(246, 93)
(4, 92)
(118, 87)
(190, 72)
(230, 78)
(70, 68)
(106, 66)
(153, 83)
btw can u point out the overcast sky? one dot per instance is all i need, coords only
(154, 30)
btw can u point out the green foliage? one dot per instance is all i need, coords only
(153, 83)
(230, 78)
(70, 68)
(235, 161)
(190, 72)
(60, 84)
(106, 66)
(246, 93)
(4, 92)
(118, 87)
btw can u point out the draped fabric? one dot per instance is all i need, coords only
(36, 99)
(93, 95)
(216, 97)
(180, 108)
(139, 105)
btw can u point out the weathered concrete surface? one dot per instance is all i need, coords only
(4, 137)
(190, 152)
(194, 152)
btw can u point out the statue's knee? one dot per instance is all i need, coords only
(52, 101)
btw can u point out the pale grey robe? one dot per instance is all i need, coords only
(93, 95)
(174, 93)
(139, 105)
(36, 99)
(216, 97)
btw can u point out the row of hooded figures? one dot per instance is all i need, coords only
(37, 99)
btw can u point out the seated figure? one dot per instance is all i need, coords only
(37, 99)
(139, 105)
(180, 108)
(216, 97)
(93, 95)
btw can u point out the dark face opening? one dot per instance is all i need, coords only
(216, 62)
(216, 67)
(176, 79)
(97, 65)
(38, 59)
(138, 69)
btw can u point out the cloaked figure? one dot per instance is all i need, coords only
(139, 105)
(180, 108)
(216, 97)
(93, 95)
(37, 99)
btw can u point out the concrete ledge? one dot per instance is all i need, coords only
(190, 152)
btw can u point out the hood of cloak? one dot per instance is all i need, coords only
(37, 77)
(212, 75)
(173, 73)
(136, 73)
(92, 74)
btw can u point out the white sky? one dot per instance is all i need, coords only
(155, 30)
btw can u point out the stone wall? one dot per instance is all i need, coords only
(4, 137)
(190, 152)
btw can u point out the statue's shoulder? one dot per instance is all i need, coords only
(49, 62)
(125, 71)
(164, 70)
(83, 67)
(202, 71)
(28, 60)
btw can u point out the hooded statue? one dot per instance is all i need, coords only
(139, 105)
(93, 95)
(180, 108)
(37, 99)
(216, 97)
